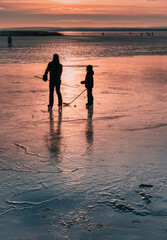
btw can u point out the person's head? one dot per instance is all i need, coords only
(56, 58)
(89, 68)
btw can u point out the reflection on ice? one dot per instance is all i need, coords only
(55, 136)
(89, 129)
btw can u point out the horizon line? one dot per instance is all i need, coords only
(89, 28)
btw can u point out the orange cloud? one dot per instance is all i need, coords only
(90, 12)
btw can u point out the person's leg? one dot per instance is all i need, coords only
(51, 96)
(89, 95)
(59, 95)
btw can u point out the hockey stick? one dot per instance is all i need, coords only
(67, 104)
(61, 83)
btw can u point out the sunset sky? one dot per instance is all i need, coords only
(83, 13)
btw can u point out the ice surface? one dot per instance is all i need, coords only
(79, 173)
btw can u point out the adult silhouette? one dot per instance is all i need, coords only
(55, 69)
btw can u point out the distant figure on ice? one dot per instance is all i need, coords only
(55, 69)
(89, 85)
(9, 41)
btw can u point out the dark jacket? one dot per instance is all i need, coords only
(55, 70)
(89, 80)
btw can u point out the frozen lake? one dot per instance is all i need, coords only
(84, 174)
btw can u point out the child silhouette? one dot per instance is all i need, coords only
(89, 82)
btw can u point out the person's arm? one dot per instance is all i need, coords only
(61, 70)
(45, 76)
(84, 82)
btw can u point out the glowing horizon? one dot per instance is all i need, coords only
(83, 13)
